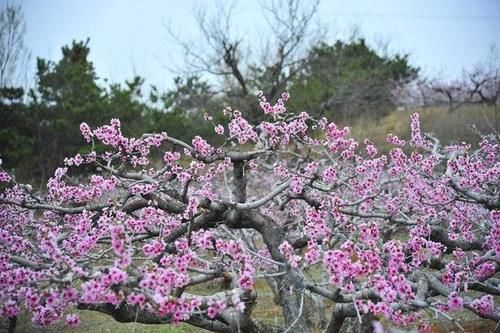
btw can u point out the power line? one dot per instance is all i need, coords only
(419, 16)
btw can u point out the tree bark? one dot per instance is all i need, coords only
(339, 314)
(335, 324)
(290, 285)
(12, 324)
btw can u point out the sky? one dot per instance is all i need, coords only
(129, 37)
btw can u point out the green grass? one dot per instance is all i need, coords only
(94, 322)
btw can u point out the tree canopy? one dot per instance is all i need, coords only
(350, 79)
(67, 92)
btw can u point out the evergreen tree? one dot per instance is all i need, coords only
(349, 79)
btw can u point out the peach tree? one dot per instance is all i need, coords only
(336, 229)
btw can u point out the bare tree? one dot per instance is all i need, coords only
(454, 93)
(223, 54)
(485, 85)
(478, 85)
(291, 22)
(13, 52)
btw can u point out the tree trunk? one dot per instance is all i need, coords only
(352, 325)
(294, 309)
(335, 324)
(12, 324)
(343, 311)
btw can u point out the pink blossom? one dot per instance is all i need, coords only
(73, 320)
(455, 302)
(86, 132)
(219, 129)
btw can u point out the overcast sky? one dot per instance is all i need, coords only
(128, 37)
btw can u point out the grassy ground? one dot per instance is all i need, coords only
(465, 124)
(94, 322)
